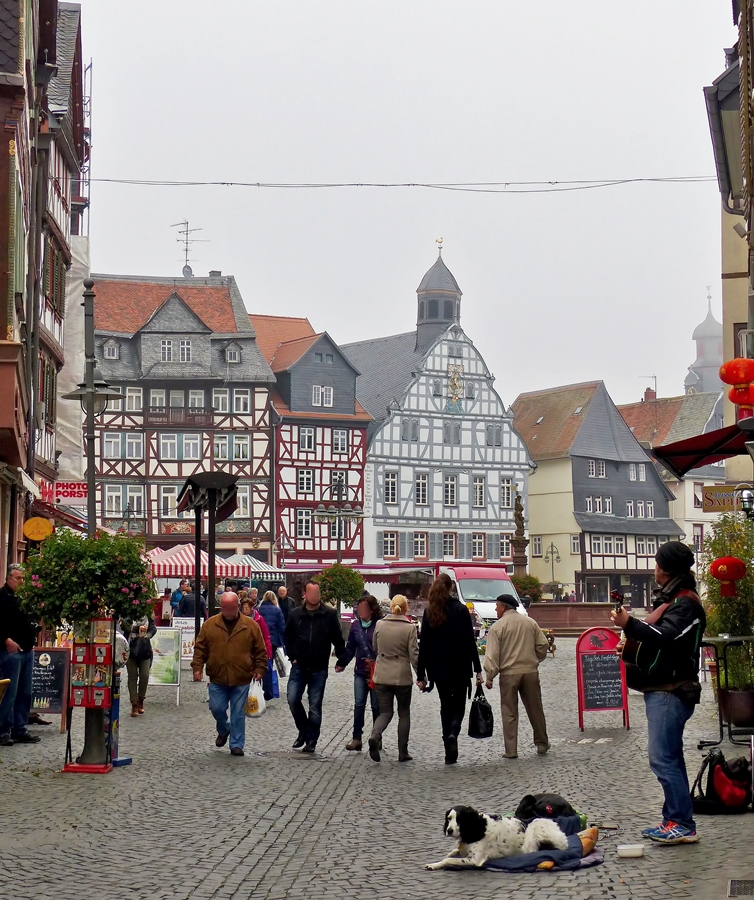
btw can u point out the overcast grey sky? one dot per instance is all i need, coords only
(558, 288)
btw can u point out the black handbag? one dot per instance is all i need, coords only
(481, 721)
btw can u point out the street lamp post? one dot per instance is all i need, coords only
(552, 555)
(339, 512)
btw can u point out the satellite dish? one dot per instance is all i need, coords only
(187, 271)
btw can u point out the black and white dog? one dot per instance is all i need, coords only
(482, 838)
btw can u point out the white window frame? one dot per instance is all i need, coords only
(479, 485)
(221, 400)
(620, 545)
(651, 545)
(698, 494)
(641, 546)
(420, 545)
(168, 441)
(338, 525)
(650, 509)
(640, 509)
(608, 506)
(166, 351)
(134, 445)
(112, 447)
(111, 350)
(506, 545)
(642, 472)
(306, 438)
(607, 544)
(328, 395)
(157, 398)
(601, 469)
(135, 499)
(536, 545)
(592, 468)
(588, 504)
(241, 400)
(243, 502)
(598, 505)
(450, 490)
(190, 441)
(232, 355)
(316, 395)
(698, 537)
(169, 501)
(113, 492)
(449, 544)
(421, 489)
(390, 488)
(114, 405)
(630, 509)
(221, 447)
(185, 351)
(632, 472)
(304, 524)
(177, 399)
(478, 545)
(596, 545)
(195, 396)
(575, 544)
(390, 545)
(340, 440)
(305, 481)
(506, 493)
(134, 399)
(241, 447)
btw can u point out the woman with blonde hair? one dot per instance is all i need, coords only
(272, 616)
(397, 651)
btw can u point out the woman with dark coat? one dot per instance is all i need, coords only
(359, 645)
(139, 662)
(448, 656)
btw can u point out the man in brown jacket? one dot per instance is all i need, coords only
(516, 646)
(232, 648)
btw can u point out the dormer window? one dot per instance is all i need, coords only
(111, 350)
(232, 355)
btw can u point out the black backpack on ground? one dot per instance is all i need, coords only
(729, 787)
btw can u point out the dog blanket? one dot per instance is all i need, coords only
(564, 860)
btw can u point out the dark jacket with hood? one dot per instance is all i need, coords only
(360, 644)
(14, 623)
(448, 652)
(310, 635)
(672, 643)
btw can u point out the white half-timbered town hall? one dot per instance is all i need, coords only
(444, 460)
(196, 397)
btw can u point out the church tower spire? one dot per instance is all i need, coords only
(438, 302)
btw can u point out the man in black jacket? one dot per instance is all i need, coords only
(312, 629)
(18, 634)
(669, 679)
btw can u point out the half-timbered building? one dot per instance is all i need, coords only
(196, 397)
(598, 507)
(320, 442)
(444, 461)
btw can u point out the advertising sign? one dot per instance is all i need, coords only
(166, 661)
(600, 674)
(71, 493)
(187, 628)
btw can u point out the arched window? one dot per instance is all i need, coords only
(433, 309)
(449, 309)
(421, 310)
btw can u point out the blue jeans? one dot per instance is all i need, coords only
(16, 704)
(314, 683)
(220, 697)
(666, 717)
(361, 691)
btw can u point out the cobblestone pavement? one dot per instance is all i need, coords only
(189, 822)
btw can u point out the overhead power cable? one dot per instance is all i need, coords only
(473, 187)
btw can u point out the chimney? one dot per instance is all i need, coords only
(215, 273)
(649, 394)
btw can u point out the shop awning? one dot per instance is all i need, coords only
(257, 569)
(179, 562)
(702, 450)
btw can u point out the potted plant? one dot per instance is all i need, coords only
(340, 584)
(528, 586)
(732, 536)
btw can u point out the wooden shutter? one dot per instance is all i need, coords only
(461, 546)
(493, 545)
(401, 545)
(433, 551)
(409, 545)
(456, 432)
(446, 432)
(380, 544)
(405, 425)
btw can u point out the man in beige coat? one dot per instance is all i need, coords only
(516, 646)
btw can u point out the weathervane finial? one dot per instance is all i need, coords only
(709, 296)
(438, 241)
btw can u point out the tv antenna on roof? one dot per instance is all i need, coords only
(187, 241)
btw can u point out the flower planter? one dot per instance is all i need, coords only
(741, 708)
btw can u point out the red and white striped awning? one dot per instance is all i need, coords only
(179, 562)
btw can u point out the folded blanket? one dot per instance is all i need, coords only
(559, 860)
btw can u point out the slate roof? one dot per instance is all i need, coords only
(386, 365)
(670, 419)
(289, 353)
(272, 331)
(124, 303)
(360, 414)
(594, 523)
(59, 90)
(9, 26)
(439, 278)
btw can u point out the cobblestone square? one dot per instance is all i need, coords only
(187, 821)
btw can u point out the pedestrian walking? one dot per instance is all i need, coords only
(360, 645)
(271, 615)
(177, 596)
(18, 634)
(247, 609)
(448, 657)
(312, 630)
(670, 635)
(516, 646)
(139, 662)
(284, 602)
(232, 649)
(187, 605)
(397, 652)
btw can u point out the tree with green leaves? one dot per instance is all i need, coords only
(528, 586)
(340, 583)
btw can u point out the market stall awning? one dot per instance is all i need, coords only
(179, 562)
(702, 450)
(257, 569)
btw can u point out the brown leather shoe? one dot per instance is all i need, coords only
(141, 706)
(354, 745)
(134, 710)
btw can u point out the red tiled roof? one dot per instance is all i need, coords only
(556, 407)
(651, 420)
(361, 415)
(291, 352)
(272, 331)
(126, 305)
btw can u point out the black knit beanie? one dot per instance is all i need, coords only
(675, 558)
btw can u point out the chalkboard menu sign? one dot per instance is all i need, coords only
(49, 680)
(601, 677)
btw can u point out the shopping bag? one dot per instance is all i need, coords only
(480, 716)
(282, 663)
(255, 703)
(275, 685)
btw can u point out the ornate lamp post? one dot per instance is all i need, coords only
(339, 512)
(552, 555)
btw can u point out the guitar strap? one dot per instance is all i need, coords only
(654, 617)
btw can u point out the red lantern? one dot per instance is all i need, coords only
(742, 395)
(728, 570)
(737, 371)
